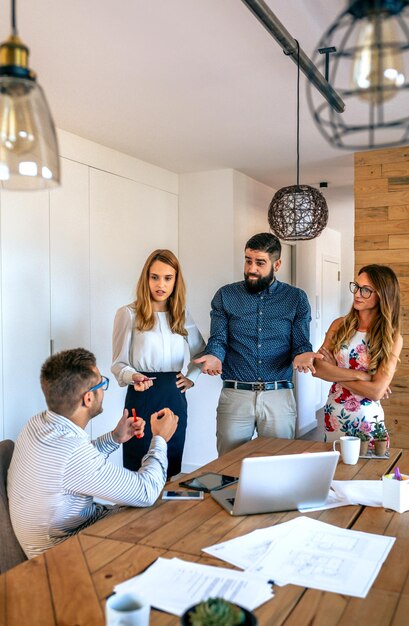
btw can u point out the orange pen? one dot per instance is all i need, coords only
(139, 436)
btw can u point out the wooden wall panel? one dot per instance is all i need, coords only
(382, 236)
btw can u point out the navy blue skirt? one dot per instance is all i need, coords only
(163, 394)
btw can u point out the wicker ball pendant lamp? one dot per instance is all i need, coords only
(299, 211)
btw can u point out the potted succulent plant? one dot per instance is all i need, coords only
(217, 612)
(380, 437)
(362, 430)
(365, 438)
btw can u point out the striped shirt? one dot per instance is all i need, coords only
(55, 473)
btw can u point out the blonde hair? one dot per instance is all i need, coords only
(144, 314)
(385, 326)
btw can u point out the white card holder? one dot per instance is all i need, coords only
(395, 493)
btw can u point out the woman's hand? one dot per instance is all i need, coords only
(387, 394)
(328, 357)
(183, 383)
(141, 382)
(127, 428)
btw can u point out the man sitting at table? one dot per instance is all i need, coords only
(56, 471)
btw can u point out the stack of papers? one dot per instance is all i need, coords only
(303, 552)
(366, 492)
(174, 585)
(310, 553)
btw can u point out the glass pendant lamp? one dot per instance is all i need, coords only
(377, 71)
(370, 70)
(28, 142)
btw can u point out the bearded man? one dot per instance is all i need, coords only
(259, 334)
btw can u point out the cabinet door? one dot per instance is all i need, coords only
(25, 304)
(128, 221)
(69, 259)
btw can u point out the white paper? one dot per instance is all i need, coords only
(322, 556)
(174, 585)
(246, 550)
(366, 492)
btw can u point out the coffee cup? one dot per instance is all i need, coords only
(126, 609)
(350, 447)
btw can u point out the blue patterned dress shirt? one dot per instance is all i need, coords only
(256, 336)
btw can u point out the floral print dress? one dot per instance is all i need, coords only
(346, 412)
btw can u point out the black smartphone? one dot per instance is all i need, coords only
(209, 482)
(182, 495)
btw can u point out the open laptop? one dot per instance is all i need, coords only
(280, 483)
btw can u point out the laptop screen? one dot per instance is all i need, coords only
(281, 483)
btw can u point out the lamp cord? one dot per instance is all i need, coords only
(298, 112)
(13, 18)
(288, 53)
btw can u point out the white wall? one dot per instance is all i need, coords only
(341, 210)
(206, 244)
(251, 200)
(108, 160)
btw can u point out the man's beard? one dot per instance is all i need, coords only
(255, 286)
(97, 410)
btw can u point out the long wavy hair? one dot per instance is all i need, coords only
(386, 324)
(144, 314)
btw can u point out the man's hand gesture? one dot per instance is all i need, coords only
(305, 362)
(210, 364)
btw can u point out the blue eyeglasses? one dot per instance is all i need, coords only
(104, 384)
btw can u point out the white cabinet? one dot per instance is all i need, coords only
(69, 259)
(128, 221)
(25, 287)
(44, 285)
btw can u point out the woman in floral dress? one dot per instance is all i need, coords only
(361, 352)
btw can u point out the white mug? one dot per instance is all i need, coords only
(127, 609)
(350, 447)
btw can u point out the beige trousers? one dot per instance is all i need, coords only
(240, 413)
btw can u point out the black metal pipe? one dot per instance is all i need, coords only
(265, 15)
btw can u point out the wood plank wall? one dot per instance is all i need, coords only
(382, 236)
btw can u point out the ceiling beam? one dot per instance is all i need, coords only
(278, 31)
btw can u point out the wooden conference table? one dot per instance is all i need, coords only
(67, 585)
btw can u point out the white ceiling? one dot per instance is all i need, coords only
(185, 84)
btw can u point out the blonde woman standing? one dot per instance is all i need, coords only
(149, 340)
(361, 352)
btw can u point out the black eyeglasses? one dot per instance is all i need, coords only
(104, 384)
(365, 292)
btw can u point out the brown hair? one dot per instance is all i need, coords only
(65, 377)
(385, 326)
(144, 314)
